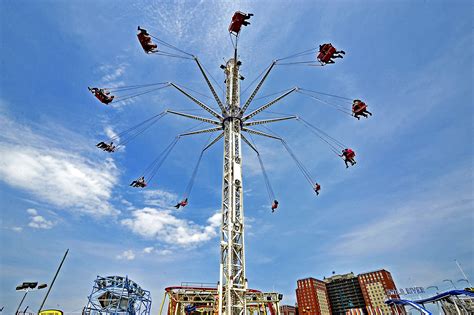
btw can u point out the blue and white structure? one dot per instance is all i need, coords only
(117, 295)
(450, 302)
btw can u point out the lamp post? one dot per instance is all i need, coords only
(27, 287)
(462, 271)
(465, 280)
(451, 281)
(437, 292)
(434, 287)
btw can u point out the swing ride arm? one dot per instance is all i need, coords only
(259, 85)
(203, 119)
(200, 131)
(263, 134)
(264, 107)
(213, 91)
(250, 144)
(219, 137)
(204, 106)
(267, 121)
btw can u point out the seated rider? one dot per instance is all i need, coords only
(348, 155)
(140, 182)
(317, 188)
(359, 108)
(106, 147)
(182, 203)
(274, 205)
(102, 95)
(327, 52)
(239, 19)
(145, 40)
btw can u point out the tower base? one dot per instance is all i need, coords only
(203, 299)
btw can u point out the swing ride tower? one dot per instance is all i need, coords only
(232, 281)
(232, 286)
(232, 295)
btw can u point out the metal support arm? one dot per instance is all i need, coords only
(207, 120)
(200, 131)
(259, 85)
(267, 121)
(195, 100)
(250, 144)
(263, 134)
(258, 110)
(219, 137)
(213, 91)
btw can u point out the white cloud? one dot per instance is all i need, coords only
(32, 211)
(37, 221)
(109, 131)
(159, 198)
(17, 229)
(148, 250)
(38, 164)
(161, 252)
(164, 226)
(164, 252)
(112, 72)
(127, 255)
(397, 227)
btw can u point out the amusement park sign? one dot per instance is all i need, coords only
(414, 290)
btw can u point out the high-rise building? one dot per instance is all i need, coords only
(288, 310)
(312, 297)
(344, 293)
(378, 286)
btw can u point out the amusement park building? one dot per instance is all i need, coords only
(378, 286)
(312, 297)
(288, 310)
(347, 294)
(344, 293)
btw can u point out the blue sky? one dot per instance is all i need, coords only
(407, 206)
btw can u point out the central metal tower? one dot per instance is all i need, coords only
(232, 281)
(231, 121)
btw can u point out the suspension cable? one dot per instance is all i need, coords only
(270, 192)
(129, 96)
(335, 147)
(255, 80)
(340, 108)
(159, 162)
(299, 164)
(322, 93)
(128, 135)
(171, 46)
(212, 77)
(132, 87)
(303, 63)
(302, 53)
(190, 185)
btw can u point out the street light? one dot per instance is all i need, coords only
(434, 287)
(465, 280)
(27, 287)
(452, 283)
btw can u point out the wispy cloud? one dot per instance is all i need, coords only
(159, 198)
(111, 73)
(163, 226)
(37, 221)
(148, 250)
(126, 255)
(153, 250)
(37, 164)
(396, 228)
